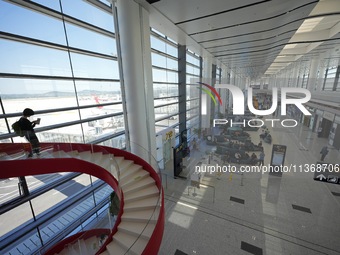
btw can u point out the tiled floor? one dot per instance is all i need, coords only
(256, 213)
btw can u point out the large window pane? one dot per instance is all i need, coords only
(98, 92)
(37, 181)
(115, 142)
(162, 61)
(166, 110)
(98, 129)
(193, 91)
(20, 21)
(69, 134)
(18, 94)
(10, 220)
(164, 76)
(171, 50)
(49, 119)
(89, 13)
(23, 58)
(158, 44)
(44, 202)
(98, 43)
(9, 189)
(92, 67)
(193, 60)
(53, 4)
(192, 70)
(165, 90)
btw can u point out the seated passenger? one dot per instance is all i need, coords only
(253, 158)
(238, 157)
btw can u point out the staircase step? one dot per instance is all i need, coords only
(118, 159)
(136, 177)
(145, 229)
(121, 166)
(141, 216)
(141, 194)
(72, 250)
(115, 248)
(74, 154)
(130, 171)
(96, 157)
(82, 247)
(13, 156)
(86, 155)
(92, 244)
(124, 165)
(105, 161)
(146, 182)
(134, 244)
(60, 154)
(105, 253)
(143, 204)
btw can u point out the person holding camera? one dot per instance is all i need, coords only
(28, 128)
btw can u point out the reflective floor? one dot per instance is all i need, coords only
(255, 213)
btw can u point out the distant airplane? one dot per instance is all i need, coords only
(97, 102)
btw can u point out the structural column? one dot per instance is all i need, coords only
(223, 92)
(321, 78)
(182, 94)
(136, 75)
(213, 82)
(207, 69)
(312, 80)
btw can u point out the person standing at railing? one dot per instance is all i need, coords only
(28, 128)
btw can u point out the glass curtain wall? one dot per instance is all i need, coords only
(164, 57)
(60, 59)
(330, 78)
(193, 69)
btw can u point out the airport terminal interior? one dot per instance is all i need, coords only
(170, 127)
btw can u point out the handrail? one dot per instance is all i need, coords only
(39, 166)
(156, 236)
(16, 168)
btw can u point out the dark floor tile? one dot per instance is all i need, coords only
(178, 252)
(301, 208)
(251, 248)
(237, 200)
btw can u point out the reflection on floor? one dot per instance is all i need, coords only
(255, 213)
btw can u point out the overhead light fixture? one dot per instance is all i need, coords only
(290, 46)
(309, 24)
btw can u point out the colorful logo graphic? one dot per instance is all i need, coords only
(209, 92)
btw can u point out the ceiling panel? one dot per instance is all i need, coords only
(249, 35)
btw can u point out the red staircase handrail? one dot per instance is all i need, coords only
(16, 168)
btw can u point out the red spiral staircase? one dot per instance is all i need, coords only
(139, 225)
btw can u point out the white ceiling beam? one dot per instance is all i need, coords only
(326, 6)
(310, 36)
(312, 46)
(334, 30)
(285, 58)
(294, 51)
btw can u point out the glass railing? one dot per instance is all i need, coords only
(75, 241)
(90, 230)
(152, 224)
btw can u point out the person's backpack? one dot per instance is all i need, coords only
(17, 129)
